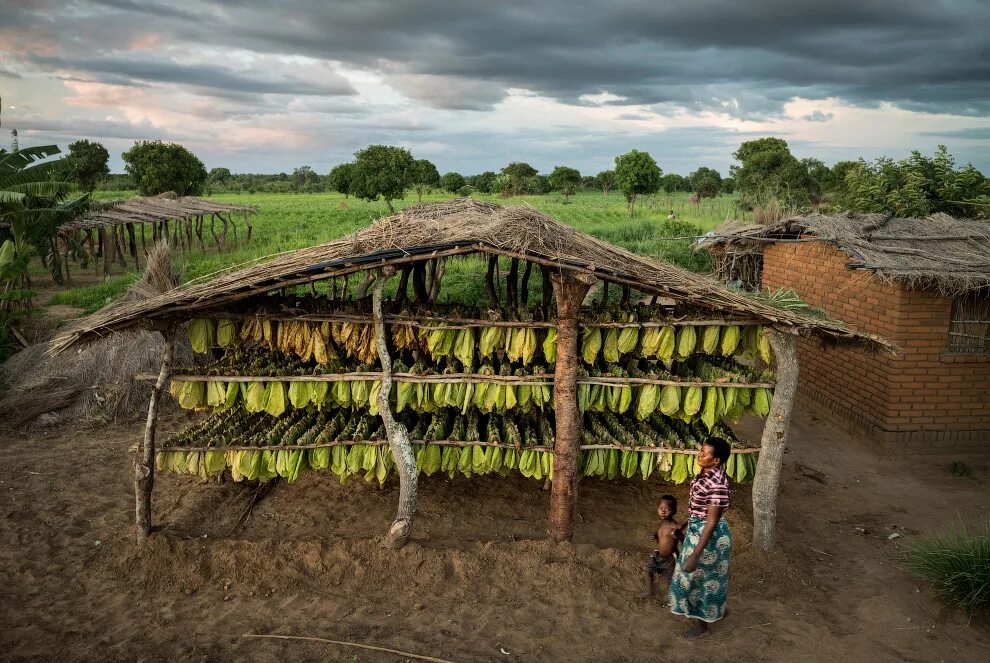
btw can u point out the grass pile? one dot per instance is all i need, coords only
(956, 561)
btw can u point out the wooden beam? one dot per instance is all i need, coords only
(144, 466)
(570, 292)
(771, 459)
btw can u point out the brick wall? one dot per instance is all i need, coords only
(923, 399)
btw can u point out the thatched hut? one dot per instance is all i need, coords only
(924, 284)
(112, 230)
(279, 298)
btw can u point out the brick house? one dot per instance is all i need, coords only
(923, 284)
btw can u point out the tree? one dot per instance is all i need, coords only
(538, 184)
(341, 177)
(34, 202)
(706, 182)
(672, 182)
(425, 176)
(452, 182)
(304, 178)
(769, 171)
(90, 163)
(636, 173)
(382, 170)
(728, 184)
(158, 167)
(565, 179)
(917, 186)
(520, 174)
(589, 182)
(485, 182)
(219, 176)
(606, 181)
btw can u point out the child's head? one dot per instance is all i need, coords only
(667, 506)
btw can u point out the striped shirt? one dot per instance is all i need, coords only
(709, 488)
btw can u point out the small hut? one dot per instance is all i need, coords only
(546, 377)
(922, 283)
(113, 230)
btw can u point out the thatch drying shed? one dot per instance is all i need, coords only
(111, 230)
(417, 242)
(923, 283)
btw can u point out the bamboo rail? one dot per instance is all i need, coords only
(449, 443)
(443, 378)
(466, 323)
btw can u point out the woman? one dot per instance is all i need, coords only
(700, 585)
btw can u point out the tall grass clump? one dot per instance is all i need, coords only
(956, 562)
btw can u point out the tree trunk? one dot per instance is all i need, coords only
(563, 494)
(398, 436)
(767, 480)
(144, 467)
(391, 210)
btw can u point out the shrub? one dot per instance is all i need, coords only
(956, 562)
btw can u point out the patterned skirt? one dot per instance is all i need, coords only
(703, 594)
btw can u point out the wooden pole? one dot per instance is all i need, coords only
(570, 293)
(144, 467)
(132, 244)
(398, 436)
(771, 459)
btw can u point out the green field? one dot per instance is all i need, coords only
(290, 221)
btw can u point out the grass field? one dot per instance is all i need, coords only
(290, 221)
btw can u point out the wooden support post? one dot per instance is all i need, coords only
(490, 281)
(199, 233)
(132, 244)
(524, 286)
(144, 242)
(511, 282)
(398, 436)
(570, 293)
(119, 252)
(771, 459)
(247, 222)
(144, 466)
(419, 283)
(547, 292)
(400, 293)
(436, 277)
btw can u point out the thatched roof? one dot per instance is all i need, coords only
(152, 209)
(939, 253)
(455, 228)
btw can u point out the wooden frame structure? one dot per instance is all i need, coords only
(415, 240)
(112, 231)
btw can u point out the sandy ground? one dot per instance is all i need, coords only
(478, 582)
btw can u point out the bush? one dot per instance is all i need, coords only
(957, 564)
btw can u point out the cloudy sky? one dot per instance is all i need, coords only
(261, 86)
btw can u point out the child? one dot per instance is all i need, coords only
(667, 538)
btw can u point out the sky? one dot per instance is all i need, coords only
(264, 87)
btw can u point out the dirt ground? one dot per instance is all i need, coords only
(477, 583)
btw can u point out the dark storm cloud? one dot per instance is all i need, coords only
(697, 54)
(119, 71)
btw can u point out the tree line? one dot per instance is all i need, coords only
(766, 175)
